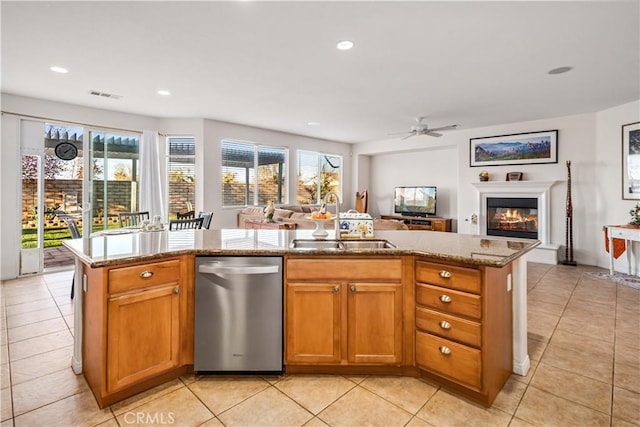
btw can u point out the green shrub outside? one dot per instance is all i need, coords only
(52, 236)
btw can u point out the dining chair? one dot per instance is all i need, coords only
(186, 215)
(129, 219)
(75, 234)
(208, 216)
(185, 224)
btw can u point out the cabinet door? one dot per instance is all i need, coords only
(313, 325)
(143, 335)
(375, 323)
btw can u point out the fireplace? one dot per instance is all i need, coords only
(547, 251)
(512, 217)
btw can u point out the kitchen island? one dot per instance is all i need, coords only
(450, 307)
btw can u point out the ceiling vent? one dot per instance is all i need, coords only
(104, 94)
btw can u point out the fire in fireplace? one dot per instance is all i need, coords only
(512, 217)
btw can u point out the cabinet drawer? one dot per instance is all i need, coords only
(448, 300)
(344, 269)
(454, 328)
(447, 358)
(464, 279)
(142, 276)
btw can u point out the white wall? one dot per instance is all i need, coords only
(592, 142)
(436, 166)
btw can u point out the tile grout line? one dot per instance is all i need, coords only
(555, 329)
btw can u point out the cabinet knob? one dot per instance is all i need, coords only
(146, 274)
(445, 274)
(444, 324)
(176, 290)
(352, 288)
(445, 298)
(444, 350)
(336, 289)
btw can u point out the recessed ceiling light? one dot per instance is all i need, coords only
(164, 92)
(313, 123)
(59, 70)
(345, 45)
(560, 70)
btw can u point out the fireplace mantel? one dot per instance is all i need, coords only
(547, 252)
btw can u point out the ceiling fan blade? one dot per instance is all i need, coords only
(444, 128)
(432, 133)
(399, 133)
(409, 136)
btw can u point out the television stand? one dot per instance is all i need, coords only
(422, 223)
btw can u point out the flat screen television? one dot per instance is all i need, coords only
(415, 201)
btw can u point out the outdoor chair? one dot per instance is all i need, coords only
(186, 215)
(207, 217)
(184, 224)
(131, 219)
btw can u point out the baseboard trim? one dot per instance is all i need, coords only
(544, 254)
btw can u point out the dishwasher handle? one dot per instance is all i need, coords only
(220, 268)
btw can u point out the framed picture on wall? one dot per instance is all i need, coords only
(515, 149)
(631, 161)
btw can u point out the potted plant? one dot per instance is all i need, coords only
(635, 215)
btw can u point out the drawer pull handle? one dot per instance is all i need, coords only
(146, 274)
(445, 274)
(352, 289)
(176, 290)
(444, 350)
(444, 324)
(445, 298)
(336, 289)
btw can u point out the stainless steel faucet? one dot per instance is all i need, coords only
(337, 203)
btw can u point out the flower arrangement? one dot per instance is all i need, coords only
(635, 215)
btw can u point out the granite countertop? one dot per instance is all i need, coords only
(135, 246)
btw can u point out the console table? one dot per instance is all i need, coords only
(629, 234)
(259, 224)
(422, 223)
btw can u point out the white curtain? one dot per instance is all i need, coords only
(151, 194)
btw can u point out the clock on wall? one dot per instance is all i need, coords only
(66, 151)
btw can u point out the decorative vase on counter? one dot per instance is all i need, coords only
(269, 211)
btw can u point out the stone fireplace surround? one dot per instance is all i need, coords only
(546, 252)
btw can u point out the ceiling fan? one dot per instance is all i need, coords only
(423, 129)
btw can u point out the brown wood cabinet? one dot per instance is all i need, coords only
(138, 326)
(463, 327)
(422, 223)
(344, 310)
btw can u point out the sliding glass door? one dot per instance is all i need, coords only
(113, 182)
(51, 189)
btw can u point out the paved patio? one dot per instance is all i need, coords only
(57, 257)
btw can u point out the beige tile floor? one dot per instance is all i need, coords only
(584, 343)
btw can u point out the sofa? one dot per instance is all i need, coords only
(298, 214)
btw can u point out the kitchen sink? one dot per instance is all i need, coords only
(315, 244)
(340, 244)
(368, 244)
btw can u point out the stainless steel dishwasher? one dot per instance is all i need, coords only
(238, 314)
